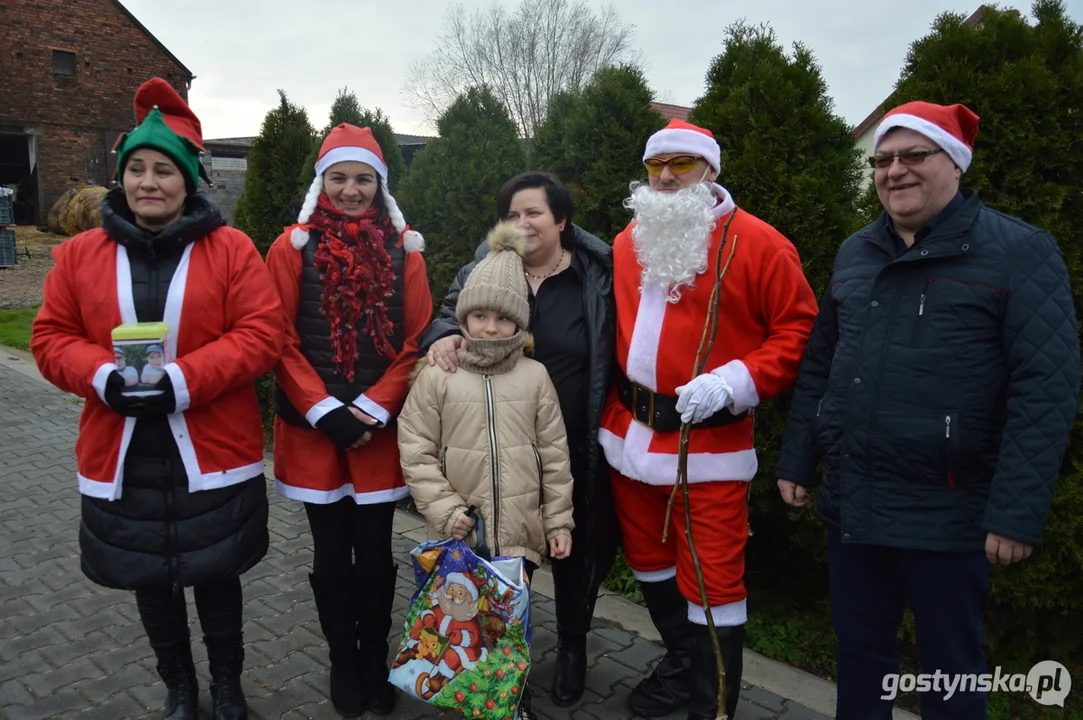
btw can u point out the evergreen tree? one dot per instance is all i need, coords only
(271, 195)
(790, 160)
(1025, 81)
(594, 142)
(346, 109)
(450, 193)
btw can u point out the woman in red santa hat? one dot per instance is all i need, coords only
(352, 281)
(172, 484)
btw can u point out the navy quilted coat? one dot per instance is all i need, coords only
(939, 387)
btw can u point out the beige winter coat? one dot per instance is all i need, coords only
(452, 428)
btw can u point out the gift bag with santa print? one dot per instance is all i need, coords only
(466, 641)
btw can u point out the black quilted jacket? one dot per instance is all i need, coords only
(939, 388)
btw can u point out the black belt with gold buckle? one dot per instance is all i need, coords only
(659, 412)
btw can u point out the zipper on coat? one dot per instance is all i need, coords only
(541, 474)
(490, 412)
(443, 462)
(819, 407)
(921, 313)
(171, 530)
(947, 441)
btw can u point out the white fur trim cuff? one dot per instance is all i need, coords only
(678, 140)
(729, 615)
(351, 154)
(655, 575)
(368, 406)
(743, 387)
(326, 497)
(952, 145)
(180, 386)
(101, 375)
(321, 408)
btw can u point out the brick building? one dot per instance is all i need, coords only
(68, 72)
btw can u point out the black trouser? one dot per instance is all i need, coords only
(165, 614)
(344, 530)
(578, 578)
(870, 586)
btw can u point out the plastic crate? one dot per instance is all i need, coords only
(8, 258)
(7, 210)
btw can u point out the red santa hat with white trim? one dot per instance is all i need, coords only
(952, 127)
(684, 137)
(346, 143)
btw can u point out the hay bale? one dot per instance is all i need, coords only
(83, 211)
(53, 221)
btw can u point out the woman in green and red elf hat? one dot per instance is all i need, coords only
(172, 485)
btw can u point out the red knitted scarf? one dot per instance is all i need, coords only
(357, 280)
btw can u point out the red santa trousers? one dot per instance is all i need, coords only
(719, 528)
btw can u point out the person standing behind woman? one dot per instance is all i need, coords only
(173, 488)
(569, 278)
(352, 281)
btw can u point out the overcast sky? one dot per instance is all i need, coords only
(242, 51)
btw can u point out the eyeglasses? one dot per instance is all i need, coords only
(914, 157)
(677, 165)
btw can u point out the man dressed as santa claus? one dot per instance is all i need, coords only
(665, 264)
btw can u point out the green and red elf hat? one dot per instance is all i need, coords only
(164, 123)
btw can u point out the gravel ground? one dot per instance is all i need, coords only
(20, 286)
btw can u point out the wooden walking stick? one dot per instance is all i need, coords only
(706, 344)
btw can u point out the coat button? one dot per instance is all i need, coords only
(925, 252)
(857, 381)
(846, 536)
(876, 303)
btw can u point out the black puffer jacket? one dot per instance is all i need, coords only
(939, 388)
(158, 534)
(592, 496)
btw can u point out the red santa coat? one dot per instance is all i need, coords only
(308, 466)
(766, 316)
(225, 329)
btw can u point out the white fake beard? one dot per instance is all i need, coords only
(672, 233)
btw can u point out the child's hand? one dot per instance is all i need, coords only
(560, 547)
(463, 525)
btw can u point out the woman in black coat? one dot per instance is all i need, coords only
(173, 493)
(569, 273)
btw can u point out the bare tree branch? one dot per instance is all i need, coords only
(525, 55)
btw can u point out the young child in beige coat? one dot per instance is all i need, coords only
(491, 436)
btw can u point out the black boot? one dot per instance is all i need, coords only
(376, 596)
(225, 655)
(571, 676)
(336, 606)
(179, 674)
(666, 690)
(703, 705)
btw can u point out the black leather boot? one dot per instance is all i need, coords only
(571, 676)
(666, 690)
(225, 655)
(376, 596)
(178, 672)
(337, 606)
(703, 703)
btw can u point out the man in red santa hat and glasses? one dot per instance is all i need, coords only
(665, 266)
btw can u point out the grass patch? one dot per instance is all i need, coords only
(15, 327)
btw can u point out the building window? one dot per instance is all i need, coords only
(63, 63)
(228, 163)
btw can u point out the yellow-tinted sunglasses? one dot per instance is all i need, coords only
(677, 165)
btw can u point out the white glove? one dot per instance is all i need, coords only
(705, 395)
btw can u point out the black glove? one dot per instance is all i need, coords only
(342, 427)
(132, 406)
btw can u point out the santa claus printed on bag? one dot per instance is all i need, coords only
(448, 635)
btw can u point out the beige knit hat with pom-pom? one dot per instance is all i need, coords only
(498, 281)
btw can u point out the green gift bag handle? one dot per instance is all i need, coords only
(481, 546)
